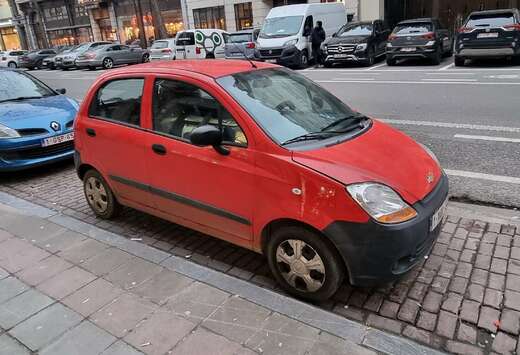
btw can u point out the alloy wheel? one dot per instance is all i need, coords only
(12, 65)
(300, 265)
(108, 63)
(96, 194)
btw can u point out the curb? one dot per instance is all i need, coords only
(315, 317)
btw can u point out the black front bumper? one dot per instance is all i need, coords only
(375, 253)
(289, 57)
(351, 57)
(420, 52)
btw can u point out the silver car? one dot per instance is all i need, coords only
(163, 49)
(11, 59)
(241, 44)
(109, 55)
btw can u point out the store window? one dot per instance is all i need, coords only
(210, 17)
(70, 37)
(244, 15)
(9, 38)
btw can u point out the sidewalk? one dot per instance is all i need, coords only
(69, 288)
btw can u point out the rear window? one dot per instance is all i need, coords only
(17, 53)
(240, 38)
(186, 39)
(491, 20)
(411, 28)
(159, 45)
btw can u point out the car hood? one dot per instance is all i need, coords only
(348, 40)
(382, 154)
(274, 42)
(38, 113)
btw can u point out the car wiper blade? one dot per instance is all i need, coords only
(311, 136)
(355, 118)
(21, 98)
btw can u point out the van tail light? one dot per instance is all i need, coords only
(430, 36)
(166, 50)
(512, 27)
(466, 29)
(197, 50)
(392, 37)
(250, 45)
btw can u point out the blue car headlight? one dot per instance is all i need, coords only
(6, 132)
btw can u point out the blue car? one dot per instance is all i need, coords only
(36, 122)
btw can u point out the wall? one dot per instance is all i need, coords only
(371, 10)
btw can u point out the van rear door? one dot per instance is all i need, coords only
(185, 45)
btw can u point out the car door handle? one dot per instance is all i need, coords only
(159, 149)
(91, 132)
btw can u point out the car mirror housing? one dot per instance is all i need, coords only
(61, 91)
(208, 135)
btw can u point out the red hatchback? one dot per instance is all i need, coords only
(264, 158)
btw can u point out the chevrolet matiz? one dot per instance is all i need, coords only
(262, 157)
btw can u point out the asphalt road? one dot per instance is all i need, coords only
(470, 117)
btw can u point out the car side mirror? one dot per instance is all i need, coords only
(61, 91)
(334, 35)
(207, 135)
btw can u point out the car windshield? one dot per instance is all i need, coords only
(281, 26)
(285, 104)
(240, 37)
(491, 20)
(411, 28)
(18, 86)
(357, 30)
(159, 45)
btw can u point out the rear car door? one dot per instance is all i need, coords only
(115, 138)
(185, 45)
(198, 184)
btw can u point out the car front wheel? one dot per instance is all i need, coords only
(459, 62)
(99, 196)
(304, 263)
(108, 63)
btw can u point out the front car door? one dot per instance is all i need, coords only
(197, 186)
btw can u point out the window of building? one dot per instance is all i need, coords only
(244, 15)
(179, 108)
(119, 100)
(57, 13)
(210, 17)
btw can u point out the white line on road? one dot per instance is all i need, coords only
(449, 73)
(481, 176)
(458, 82)
(375, 67)
(415, 70)
(364, 79)
(447, 79)
(488, 138)
(453, 125)
(447, 66)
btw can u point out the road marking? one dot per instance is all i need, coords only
(364, 79)
(458, 82)
(417, 70)
(481, 176)
(358, 73)
(503, 76)
(448, 79)
(375, 67)
(488, 138)
(453, 125)
(447, 67)
(449, 73)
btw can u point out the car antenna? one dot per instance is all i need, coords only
(245, 56)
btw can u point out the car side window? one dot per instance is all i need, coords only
(119, 100)
(179, 108)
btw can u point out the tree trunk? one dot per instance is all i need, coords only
(140, 23)
(158, 20)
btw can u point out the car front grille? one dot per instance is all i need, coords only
(24, 132)
(271, 52)
(37, 152)
(340, 48)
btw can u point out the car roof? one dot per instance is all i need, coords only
(418, 20)
(242, 32)
(214, 68)
(493, 12)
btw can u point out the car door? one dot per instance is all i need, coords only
(115, 139)
(117, 54)
(129, 55)
(211, 191)
(444, 36)
(380, 37)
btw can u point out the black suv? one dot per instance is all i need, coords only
(489, 34)
(419, 38)
(358, 42)
(35, 59)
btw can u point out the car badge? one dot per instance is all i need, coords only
(408, 38)
(270, 51)
(340, 49)
(430, 177)
(487, 29)
(55, 126)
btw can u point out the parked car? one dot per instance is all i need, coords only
(489, 34)
(35, 122)
(68, 60)
(357, 42)
(163, 49)
(285, 35)
(11, 59)
(34, 59)
(50, 61)
(200, 44)
(226, 148)
(423, 38)
(107, 56)
(241, 44)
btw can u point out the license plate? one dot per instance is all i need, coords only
(488, 35)
(58, 139)
(408, 49)
(437, 217)
(340, 55)
(270, 60)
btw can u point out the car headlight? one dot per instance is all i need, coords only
(430, 153)
(292, 42)
(381, 202)
(361, 47)
(389, 45)
(6, 132)
(430, 43)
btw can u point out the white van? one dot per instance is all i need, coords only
(285, 37)
(201, 44)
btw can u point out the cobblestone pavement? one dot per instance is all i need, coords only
(465, 298)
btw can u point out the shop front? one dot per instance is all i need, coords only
(9, 38)
(69, 36)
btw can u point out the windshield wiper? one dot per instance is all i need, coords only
(21, 98)
(357, 118)
(311, 136)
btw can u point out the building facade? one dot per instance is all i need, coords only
(9, 38)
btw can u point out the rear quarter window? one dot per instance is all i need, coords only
(491, 20)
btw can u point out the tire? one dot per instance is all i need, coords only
(99, 196)
(146, 58)
(12, 65)
(210, 56)
(370, 57)
(39, 65)
(390, 61)
(91, 68)
(327, 65)
(324, 278)
(108, 63)
(459, 62)
(304, 60)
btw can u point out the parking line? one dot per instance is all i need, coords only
(488, 138)
(375, 67)
(481, 176)
(453, 125)
(447, 66)
(363, 79)
(447, 79)
(449, 73)
(458, 82)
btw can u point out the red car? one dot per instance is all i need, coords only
(264, 158)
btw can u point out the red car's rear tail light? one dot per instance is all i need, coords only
(197, 50)
(250, 45)
(512, 27)
(466, 29)
(429, 36)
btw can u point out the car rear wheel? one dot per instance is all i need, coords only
(108, 63)
(12, 65)
(390, 61)
(459, 62)
(304, 264)
(99, 196)
(146, 58)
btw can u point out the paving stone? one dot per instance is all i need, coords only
(479, 277)
(463, 349)
(458, 285)
(203, 342)
(426, 276)
(483, 261)
(121, 315)
(391, 325)
(510, 321)
(16, 255)
(427, 320)
(490, 237)
(9, 346)
(80, 252)
(408, 311)
(486, 249)
(504, 240)
(21, 307)
(241, 273)
(513, 282)
(374, 302)
(452, 255)
(447, 269)
(467, 256)
(470, 311)
(10, 287)
(440, 284)
(493, 298)
(449, 228)
(399, 293)
(357, 299)
(162, 286)
(498, 266)
(121, 348)
(513, 267)
(45, 326)
(472, 244)
(417, 334)
(66, 282)
(446, 324)
(504, 344)
(389, 309)
(43, 270)
(327, 344)
(4, 235)
(162, 331)
(515, 253)
(508, 229)
(444, 238)
(106, 261)
(501, 252)
(452, 303)
(350, 312)
(512, 300)
(84, 339)
(418, 291)
(463, 270)
(133, 273)
(61, 241)
(440, 249)
(92, 297)
(496, 281)
(467, 333)
(432, 302)
(488, 318)
(476, 292)
(456, 244)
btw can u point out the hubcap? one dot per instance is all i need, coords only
(300, 265)
(108, 63)
(96, 194)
